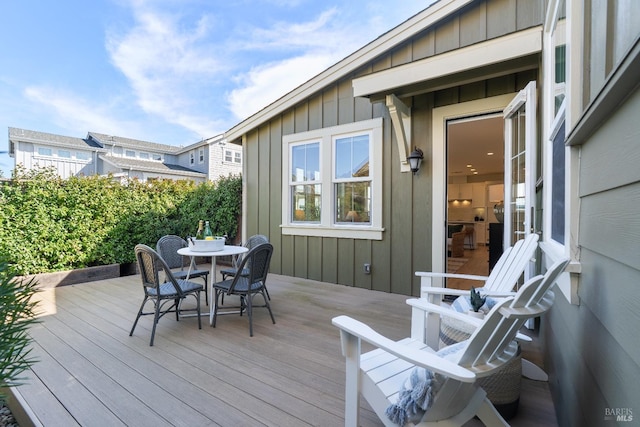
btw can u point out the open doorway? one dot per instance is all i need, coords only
(475, 177)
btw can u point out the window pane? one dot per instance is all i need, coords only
(558, 187)
(64, 153)
(144, 155)
(227, 156)
(306, 202)
(353, 202)
(44, 151)
(130, 153)
(305, 162)
(352, 157)
(81, 155)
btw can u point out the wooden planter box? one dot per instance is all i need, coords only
(82, 275)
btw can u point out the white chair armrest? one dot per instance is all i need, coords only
(414, 356)
(427, 307)
(452, 275)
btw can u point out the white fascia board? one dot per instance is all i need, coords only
(431, 15)
(493, 51)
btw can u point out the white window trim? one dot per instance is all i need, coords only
(568, 112)
(326, 227)
(201, 157)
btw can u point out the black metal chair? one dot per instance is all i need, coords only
(246, 286)
(252, 242)
(166, 295)
(168, 247)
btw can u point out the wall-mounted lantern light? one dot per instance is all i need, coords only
(415, 159)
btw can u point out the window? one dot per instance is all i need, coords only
(305, 183)
(237, 157)
(201, 155)
(44, 151)
(65, 154)
(192, 158)
(144, 156)
(83, 155)
(130, 153)
(558, 188)
(351, 179)
(156, 156)
(332, 185)
(228, 156)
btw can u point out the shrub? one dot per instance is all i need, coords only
(50, 224)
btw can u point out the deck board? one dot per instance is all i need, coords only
(90, 372)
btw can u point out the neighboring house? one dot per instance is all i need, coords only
(124, 158)
(326, 177)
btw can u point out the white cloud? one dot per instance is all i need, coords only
(168, 67)
(73, 112)
(266, 83)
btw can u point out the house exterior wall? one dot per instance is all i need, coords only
(224, 160)
(593, 350)
(407, 200)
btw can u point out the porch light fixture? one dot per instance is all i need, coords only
(415, 159)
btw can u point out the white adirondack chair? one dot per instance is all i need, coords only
(379, 374)
(499, 283)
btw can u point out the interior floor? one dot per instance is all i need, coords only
(477, 263)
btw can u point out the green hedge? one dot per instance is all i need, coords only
(50, 224)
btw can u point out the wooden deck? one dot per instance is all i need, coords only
(91, 373)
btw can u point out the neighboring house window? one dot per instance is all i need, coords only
(192, 158)
(130, 153)
(228, 156)
(201, 155)
(43, 151)
(157, 157)
(237, 157)
(82, 155)
(144, 156)
(332, 185)
(65, 154)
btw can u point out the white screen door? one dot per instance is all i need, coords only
(520, 163)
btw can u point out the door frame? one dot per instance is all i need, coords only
(440, 117)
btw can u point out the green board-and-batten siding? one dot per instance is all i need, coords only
(407, 199)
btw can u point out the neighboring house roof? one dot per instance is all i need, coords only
(132, 143)
(351, 63)
(50, 139)
(149, 166)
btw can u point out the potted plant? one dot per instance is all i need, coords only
(477, 301)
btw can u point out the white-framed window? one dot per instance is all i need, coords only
(45, 151)
(144, 156)
(332, 181)
(561, 104)
(228, 156)
(64, 154)
(156, 156)
(237, 157)
(201, 155)
(130, 153)
(83, 155)
(192, 158)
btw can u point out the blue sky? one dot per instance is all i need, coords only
(169, 71)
